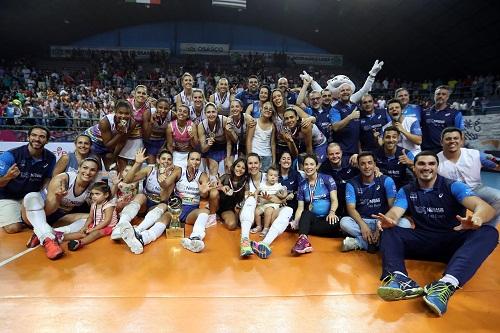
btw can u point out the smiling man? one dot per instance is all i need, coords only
(22, 170)
(442, 233)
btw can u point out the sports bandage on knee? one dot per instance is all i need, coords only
(199, 226)
(151, 217)
(247, 216)
(33, 201)
(129, 212)
(279, 225)
(34, 204)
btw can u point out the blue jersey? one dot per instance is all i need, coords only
(369, 124)
(322, 121)
(348, 137)
(247, 98)
(321, 194)
(370, 198)
(291, 182)
(434, 209)
(33, 172)
(291, 98)
(434, 122)
(255, 109)
(390, 166)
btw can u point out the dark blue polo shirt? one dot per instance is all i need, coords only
(434, 122)
(370, 198)
(369, 124)
(348, 137)
(247, 98)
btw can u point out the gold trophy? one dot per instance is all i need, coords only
(176, 228)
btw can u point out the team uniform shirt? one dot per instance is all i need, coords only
(390, 166)
(181, 139)
(348, 137)
(240, 129)
(247, 97)
(322, 121)
(137, 114)
(320, 194)
(468, 167)
(370, 198)
(434, 209)
(255, 109)
(160, 125)
(33, 172)
(185, 99)
(194, 116)
(189, 191)
(252, 186)
(218, 134)
(434, 122)
(222, 103)
(71, 199)
(291, 97)
(411, 125)
(369, 124)
(151, 186)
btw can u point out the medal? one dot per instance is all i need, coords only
(229, 192)
(310, 207)
(311, 192)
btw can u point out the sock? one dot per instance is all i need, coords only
(34, 205)
(151, 217)
(247, 216)
(153, 233)
(279, 225)
(129, 212)
(73, 227)
(400, 273)
(199, 226)
(450, 279)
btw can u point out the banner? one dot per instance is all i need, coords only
(335, 60)
(482, 132)
(238, 4)
(204, 48)
(85, 52)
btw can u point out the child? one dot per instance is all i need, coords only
(123, 192)
(101, 220)
(271, 188)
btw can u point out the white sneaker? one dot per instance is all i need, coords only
(193, 245)
(212, 220)
(116, 234)
(130, 237)
(350, 244)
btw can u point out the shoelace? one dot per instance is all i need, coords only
(442, 289)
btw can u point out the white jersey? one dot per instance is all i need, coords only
(403, 141)
(189, 191)
(194, 117)
(71, 200)
(151, 187)
(185, 99)
(223, 103)
(252, 186)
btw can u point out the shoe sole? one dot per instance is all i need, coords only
(193, 245)
(304, 251)
(263, 252)
(31, 243)
(128, 235)
(394, 294)
(433, 307)
(57, 256)
(245, 254)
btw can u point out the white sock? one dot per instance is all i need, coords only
(153, 233)
(129, 212)
(34, 205)
(450, 279)
(279, 225)
(247, 216)
(400, 273)
(199, 226)
(73, 227)
(151, 217)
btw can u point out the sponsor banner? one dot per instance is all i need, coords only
(58, 148)
(85, 52)
(482, 132)
(204, 48)
(335, 60)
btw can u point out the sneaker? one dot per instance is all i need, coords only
(302, 246)
(33, 241)
(74, 245)
(131, 238)
(350, 244)
(52, 249)
(261, 249)
(438, 295)
(396, 286)
(264, 232)
(193, 244)
(245, 248)
(212, 220)
(116, 234)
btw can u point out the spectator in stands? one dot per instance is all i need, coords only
(251, 93)
(22, 170)
(437, 118)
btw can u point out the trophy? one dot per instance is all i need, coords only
(176, 228)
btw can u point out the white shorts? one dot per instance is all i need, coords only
(10, 211)
(180, 159)
(131, 148)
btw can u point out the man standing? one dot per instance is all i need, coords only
(435, 203)
(22, 170)
(316, 110)
(344, 117)
(465, 165)
(409, 110)
(251, 93)
(410, 136)
(437, 118)
(371, 122)
(290, 96)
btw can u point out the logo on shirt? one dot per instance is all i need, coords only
(440, 195)
(293, 181)
(413, 196)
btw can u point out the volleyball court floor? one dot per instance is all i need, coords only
(105, 288)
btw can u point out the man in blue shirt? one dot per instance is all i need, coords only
(365, 196)
(291, 97)
(371, 122)
(22, 170)
(435, 203)
(251, 93)
(437, 118)
(409, 110)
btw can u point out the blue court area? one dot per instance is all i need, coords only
(491, 179)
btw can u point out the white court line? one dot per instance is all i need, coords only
(20, 254)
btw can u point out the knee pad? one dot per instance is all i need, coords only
(33, 201)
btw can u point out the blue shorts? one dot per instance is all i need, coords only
(320, 152)
(186, 209)
(153, 147)
(99, 149)
(216, 155)
(150, 203)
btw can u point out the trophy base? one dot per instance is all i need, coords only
(175, 232)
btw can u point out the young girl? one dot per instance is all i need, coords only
(101, 220)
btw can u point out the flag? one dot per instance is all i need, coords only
(145, 2)
(238, 4)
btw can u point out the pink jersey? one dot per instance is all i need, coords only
(181, 138)
(137, 114)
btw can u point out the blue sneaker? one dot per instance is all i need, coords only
(438, 295)
(396, 286)
(261, 249)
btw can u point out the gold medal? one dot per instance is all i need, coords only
(310, 207)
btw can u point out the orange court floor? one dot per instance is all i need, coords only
(105, 288)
